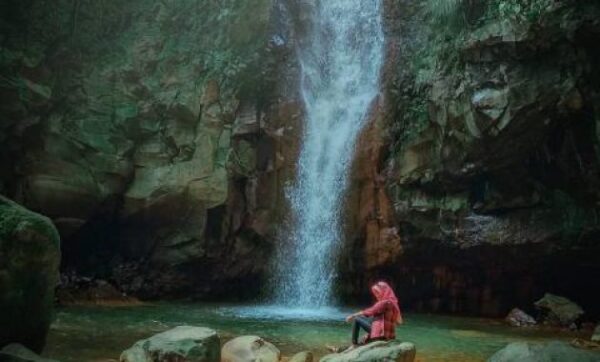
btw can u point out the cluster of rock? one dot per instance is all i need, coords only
(199, 344)
(553, 351)
(554, 310)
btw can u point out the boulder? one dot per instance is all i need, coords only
(518, 318)
(559, 310)
(304, 356)
(596, 335)
(182, 344)
(29, 261)
(249, 349)
(17, 353)
(553, 351)
(376, 352)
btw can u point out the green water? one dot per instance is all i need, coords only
(101, 333)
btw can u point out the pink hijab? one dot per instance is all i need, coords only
(384, 293)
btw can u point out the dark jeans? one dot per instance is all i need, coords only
(360, 322)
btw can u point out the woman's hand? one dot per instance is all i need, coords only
(351, 317)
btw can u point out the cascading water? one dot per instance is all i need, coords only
(340, 58)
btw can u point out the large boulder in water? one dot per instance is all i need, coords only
(554, 351)
(380, 351)
(181, 344)
(249, 349)
(29, 261)
(17, 353)
(559, 310)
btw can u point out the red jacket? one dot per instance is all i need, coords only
(384, 320)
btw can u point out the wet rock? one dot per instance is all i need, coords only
(553, 351)
(558, 310)
(304, 356)
(132, 160)
(379, 351)
(17, 353)
(30, 257)
(462, 158)
(249, 349)
(596, 335)
(75, 289)
(184, 343)
(518, 318)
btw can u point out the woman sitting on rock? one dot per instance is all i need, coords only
(379, 320)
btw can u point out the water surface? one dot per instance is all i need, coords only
(82, 334)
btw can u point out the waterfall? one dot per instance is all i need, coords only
(340, 58)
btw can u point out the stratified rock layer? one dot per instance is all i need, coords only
(154, 150)
(29, 261)
(162, 155)
(490, 159)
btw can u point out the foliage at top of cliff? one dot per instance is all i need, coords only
(445, 26)
(222, 38)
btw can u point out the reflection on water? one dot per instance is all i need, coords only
(101, 333)
(283, 313)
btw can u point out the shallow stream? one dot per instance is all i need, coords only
(101, 333)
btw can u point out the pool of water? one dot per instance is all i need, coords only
(98, 334)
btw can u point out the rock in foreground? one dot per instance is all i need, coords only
(302, 357)
(17, 353)
(29, 261)
(249, 349)
(554, 351)
(379, 351)
(181, 344)
(559, 310)
(518, 318)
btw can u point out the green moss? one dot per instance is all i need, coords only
(12, 216)
(29, 260)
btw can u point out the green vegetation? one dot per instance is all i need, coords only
(448, 12)
(520, 10)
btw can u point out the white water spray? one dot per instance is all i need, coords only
(340, 60)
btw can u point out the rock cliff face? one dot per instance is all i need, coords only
(144, 130)
(159, 136)
(491, 120)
